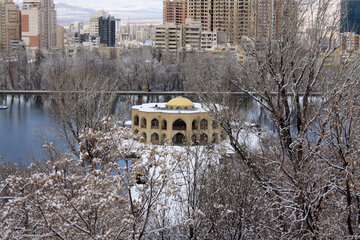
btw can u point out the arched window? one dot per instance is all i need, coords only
(203, 138)
(143, 122)
(215, 125)
(204, 124)
(179, 125)
(143, 135)
(163, 138)
(195, 125)
(136, 120)
(164, 125)
(194, 139)
(154, 124)
(179, 139)
(136, 132)
(155, 138)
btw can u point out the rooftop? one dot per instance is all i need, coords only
(162, 108)
(180, 102)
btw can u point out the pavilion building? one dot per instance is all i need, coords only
(180, 122)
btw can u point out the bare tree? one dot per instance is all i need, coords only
(14, 69)
(86, 88)
(144, 71)
(282, 75)
(110, 197)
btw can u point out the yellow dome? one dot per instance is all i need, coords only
(180, 102)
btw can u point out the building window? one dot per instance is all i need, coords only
(143, 123)
(179, 139)
(155, 138)
(203, 139)
(163, 138)
(143, 135)
(195, 125)
(194, 139)
(215, 125)
(179, 125)
(154, 124)
(204, 124)
(136, 120)
(163, 125)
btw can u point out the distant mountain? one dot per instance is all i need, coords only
(67, 14)
(139, 16)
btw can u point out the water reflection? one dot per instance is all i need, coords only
(27, 121)
(22, 126)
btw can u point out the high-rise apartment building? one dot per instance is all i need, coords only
(107, 31)
(173, 39)
(208, 40)
(76, 27)
(349, 46)
(141, 36)
(350, 16)
(201, 10)
(38, 24)
(174, 11)
(350, 29)
(231, 16)
(9, 24)
(192, 34)
(60, 36)
(94, 22)
(264, 18)
(168, 38)
(118, 25)
(235, 17)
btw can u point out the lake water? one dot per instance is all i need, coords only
(27, 122)
(23, 126)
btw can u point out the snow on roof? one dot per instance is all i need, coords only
(161, 108)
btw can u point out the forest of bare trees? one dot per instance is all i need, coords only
(300, 181)
(133, 70)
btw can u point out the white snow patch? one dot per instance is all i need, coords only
(161, 108)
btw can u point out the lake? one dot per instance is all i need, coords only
(27, 122)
